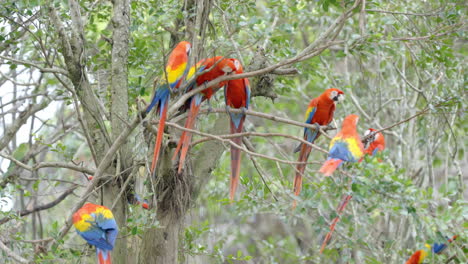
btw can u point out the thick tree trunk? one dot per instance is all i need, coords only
(175, 195)
(119, 116)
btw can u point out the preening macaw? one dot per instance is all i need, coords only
(375, 144)
(96, 224)
(438, 248)
(345, 146)
(236, 95)
(320, 112)
(216, 66)
(418, 256)
(176, 70)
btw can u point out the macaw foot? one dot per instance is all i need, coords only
(228, 109)
(244, 110)
(317, 127)
(210, 108)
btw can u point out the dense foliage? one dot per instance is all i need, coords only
(392, 59)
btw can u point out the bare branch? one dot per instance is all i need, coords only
(35, 65)
(44, 206)
(12, 254)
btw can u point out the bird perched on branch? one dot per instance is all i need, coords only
(375, 144)
(209, 69)
(96, 224)
(237, 95)
(174, 75)
(319, 112)
(346, 146)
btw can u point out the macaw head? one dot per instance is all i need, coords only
(185, 45)
(238, 65)
(227, 66)
(351, 120)
(368, 132)
(336, 95)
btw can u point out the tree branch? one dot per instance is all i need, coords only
(12, 254)
(42, 207)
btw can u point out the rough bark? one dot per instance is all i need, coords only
(119, 117)
(176, 194)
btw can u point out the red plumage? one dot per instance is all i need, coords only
(237, 95)
(216, 66)
(320, 111)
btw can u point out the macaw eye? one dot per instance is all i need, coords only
(334, 93)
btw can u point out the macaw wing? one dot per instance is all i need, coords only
(191, 73)
(175, 74)
(247, 92)
(438, 247)
(96, 237)
(310, 134)
(339, 150)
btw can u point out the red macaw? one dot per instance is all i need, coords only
(319, 112)
(236, 95)
(375, 144)
(418, 256)
(216, 66)
(176, 70)
(96, 224)
(345, 146)
(438, 248)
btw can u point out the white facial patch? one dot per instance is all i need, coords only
(188, 48)
(237, 64)
(227, 69)
(367, 132)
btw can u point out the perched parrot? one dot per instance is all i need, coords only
(96, 224)
(438, 248)
(176, 70)
(345, 146)
(237, 95)
(375, 144)
(418, 256)
(216, 67)
(320, 112)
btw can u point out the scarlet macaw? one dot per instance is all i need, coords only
(345, 146)
(237, 95)
(96, 224)
(320, 112)
(216, 67)
(176, 70)
(375, 144)
(418, 256)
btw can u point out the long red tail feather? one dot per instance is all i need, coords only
(190, 124)
(235, 158)
(330, 166)
(339, 211)
(103, 256)
(300, 168)
(159, 136)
